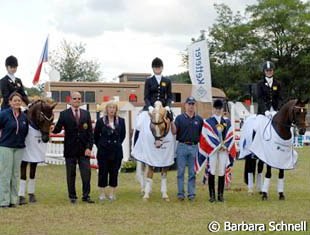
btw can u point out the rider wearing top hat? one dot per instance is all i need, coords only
(269, 99)
(269, 95)
(157, 87)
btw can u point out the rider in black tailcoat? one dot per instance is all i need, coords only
(157, 87)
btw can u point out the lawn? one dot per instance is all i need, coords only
(129, 214)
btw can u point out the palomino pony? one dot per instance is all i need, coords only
(40, 116)
(155, 147)
(273, 140)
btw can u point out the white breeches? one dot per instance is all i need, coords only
(218, 162)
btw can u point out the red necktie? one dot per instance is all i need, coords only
(77, 118)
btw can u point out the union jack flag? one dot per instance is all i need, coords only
(210, 141)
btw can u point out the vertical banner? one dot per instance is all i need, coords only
(199, 71)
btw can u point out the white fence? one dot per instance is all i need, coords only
(55, 148)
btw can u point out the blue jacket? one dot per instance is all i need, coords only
(13, 132)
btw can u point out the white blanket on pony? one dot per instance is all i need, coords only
(35, 149)
(145, 151)
(267, 145)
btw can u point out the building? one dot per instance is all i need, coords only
(130, 88)
(130, 94)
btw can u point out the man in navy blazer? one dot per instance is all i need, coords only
(78, 144)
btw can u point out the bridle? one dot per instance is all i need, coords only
(293, 117)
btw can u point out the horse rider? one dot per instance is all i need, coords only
(156, 88)
(269, 99)
(187, 128)
(10, 83)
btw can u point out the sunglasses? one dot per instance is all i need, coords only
(76, 98)
(191, 103)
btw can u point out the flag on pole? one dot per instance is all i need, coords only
(43, 58)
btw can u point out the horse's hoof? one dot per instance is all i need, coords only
(281, 196)
(32, 198)
(22, 200)
(250, 192)
(166, 199)
(265, 196)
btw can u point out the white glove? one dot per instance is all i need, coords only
(167, 108)
(267, 113)
(151, 108)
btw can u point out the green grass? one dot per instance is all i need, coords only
(53, 214)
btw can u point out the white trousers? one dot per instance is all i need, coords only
(218, 162)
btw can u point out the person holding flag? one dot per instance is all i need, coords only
(10, 83)
(217, 149)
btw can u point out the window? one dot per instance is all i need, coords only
(90, 97)
(82, 96)
(176, 97)
(64, 96)
(55, 96)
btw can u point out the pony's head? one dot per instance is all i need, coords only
(160, 124)
(297, 115)
(40, 115)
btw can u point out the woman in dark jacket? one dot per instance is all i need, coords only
(14, 129)
(109, 135)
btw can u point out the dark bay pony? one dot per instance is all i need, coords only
(273, 140)
(40, 116)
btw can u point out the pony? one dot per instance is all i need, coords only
(40, 116)
(270, 139)
(155, 147)
(160, 123)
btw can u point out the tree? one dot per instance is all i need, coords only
(70, 64)
(273, 30)
(282, 29)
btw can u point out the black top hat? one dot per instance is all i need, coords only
(218, 104)
(156, 63)
(268, 65)
(11, 61)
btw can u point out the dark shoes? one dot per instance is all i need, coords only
(32, 198)
(8, 206)
(73, 200)
(88, 200)
(22, 200)
(220, 198)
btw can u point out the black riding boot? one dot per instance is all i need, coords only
(220, 189)
(211, 187)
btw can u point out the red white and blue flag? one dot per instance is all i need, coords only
(43, 58)
(210, 142)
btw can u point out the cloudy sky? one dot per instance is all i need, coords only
(122, 35)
